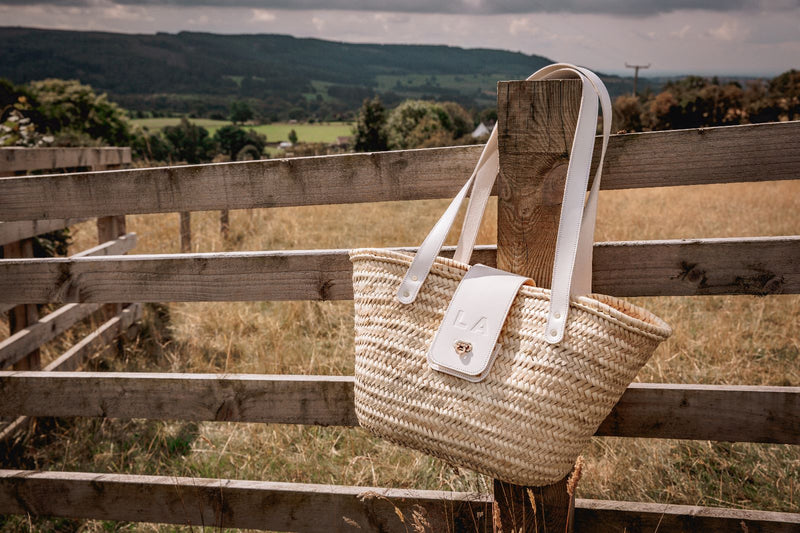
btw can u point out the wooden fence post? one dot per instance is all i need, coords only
(186, 231)
(224, 224)
(23, 315)
(108, 229)
(536, 124)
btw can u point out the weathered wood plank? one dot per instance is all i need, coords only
(24, 229)
(312, 400)
(735, 413)
(645, 410)
(762, 265)
(535, 127)
(224, 503)
(13, 159)
(759, 152)
(602, 516)
(50, 326)
(238, 504)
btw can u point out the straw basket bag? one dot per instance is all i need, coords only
(480, 367)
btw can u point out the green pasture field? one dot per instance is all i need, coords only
(279, 131)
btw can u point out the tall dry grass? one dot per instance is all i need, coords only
(717, 340)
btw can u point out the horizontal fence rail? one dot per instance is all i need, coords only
(14, 159)
(651, 410)
(762, 265)
(48, 327)
(25, 229)
(682, 157)
(223, 503)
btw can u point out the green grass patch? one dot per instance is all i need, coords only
(324, 132)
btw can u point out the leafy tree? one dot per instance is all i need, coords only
(461, 122)
(151, 147)
(232, 139)
(293, 137)
(628, 113)
(785, 90)
(240, 112)
(189, 142)
(421, 123)
(370, 129)
(17, 129)
(757, 104)
(74, 110)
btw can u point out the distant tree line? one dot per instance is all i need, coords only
(694, 102)
(56, 112)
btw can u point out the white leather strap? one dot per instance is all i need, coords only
(576, 227)
(430, 247)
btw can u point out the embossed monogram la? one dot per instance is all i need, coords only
(479, 327)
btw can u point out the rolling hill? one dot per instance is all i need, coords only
(279, 74)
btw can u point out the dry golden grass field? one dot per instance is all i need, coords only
(717, 340)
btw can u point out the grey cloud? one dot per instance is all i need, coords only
(614, 7)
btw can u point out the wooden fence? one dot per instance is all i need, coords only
(531, 163)
(28, 330)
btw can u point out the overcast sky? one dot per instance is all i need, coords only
(758, 37)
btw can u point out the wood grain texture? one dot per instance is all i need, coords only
(217, 503)
(735, 413)
(759, 152)
(28, 159)
(282, 399)
(535, 126)
(602, 516)
(50, 326)
(650, 410)
(225, 503)
(24, 229)
(757, 266)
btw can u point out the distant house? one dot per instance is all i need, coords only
(481, 131)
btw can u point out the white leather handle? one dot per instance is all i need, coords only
(576, 226)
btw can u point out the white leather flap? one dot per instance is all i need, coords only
(466, 342)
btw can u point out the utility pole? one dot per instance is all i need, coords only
(636, 74)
